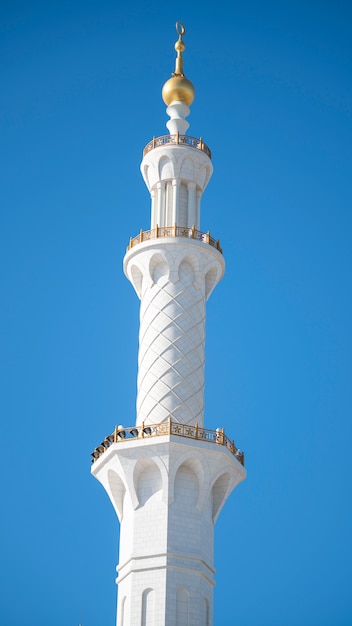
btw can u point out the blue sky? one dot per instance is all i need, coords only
(80, 97)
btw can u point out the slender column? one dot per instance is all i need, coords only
(154, 220)
(192, 219)
(197, 224)
(160, 195)
(175, 200)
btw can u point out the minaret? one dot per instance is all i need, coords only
(168, 476)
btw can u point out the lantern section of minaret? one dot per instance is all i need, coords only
(167, 475)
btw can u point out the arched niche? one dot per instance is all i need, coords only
(137, 280)
(182, 607)
(122, 611)
(186, 272)
(211, 278)
(206, 612)
(159, 268)
(148, 607)
(145, 173)
(198, 466)
(118, 492)
(147, 481)
(192, 260)
(187, 171)
(204, 176)
(166, 168)
(186, 487)
(219, 493)
(189, 468)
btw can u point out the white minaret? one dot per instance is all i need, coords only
(167, 476)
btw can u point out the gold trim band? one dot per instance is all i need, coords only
(168, 428)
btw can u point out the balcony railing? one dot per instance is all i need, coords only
(177, 140)
(168, 428)
(174, 231)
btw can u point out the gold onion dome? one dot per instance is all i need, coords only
(178, 87)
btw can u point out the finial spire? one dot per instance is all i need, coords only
(179, 47)
(178, 92)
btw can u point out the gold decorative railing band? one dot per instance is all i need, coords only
(168, 428)
(177, 140)
(174, 231)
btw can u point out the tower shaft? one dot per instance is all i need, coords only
(173, 277)
(167, 493)
(168, 476)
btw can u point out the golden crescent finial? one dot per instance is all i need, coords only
(180, 29)
(179, 47)
(178, 87)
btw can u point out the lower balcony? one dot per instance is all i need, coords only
(121, 434)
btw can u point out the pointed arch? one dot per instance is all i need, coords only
(182, 607)
(158, 267)
(136, 279)
(219, 494)
(118, 492)
(211, 279)
(188, 168)
(148, 607)
(197, 464)
(166, 168)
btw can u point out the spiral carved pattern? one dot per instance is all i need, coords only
(171, 349)
(173, 278)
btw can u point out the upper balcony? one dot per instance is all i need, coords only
(174, 231)
(177, 140)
